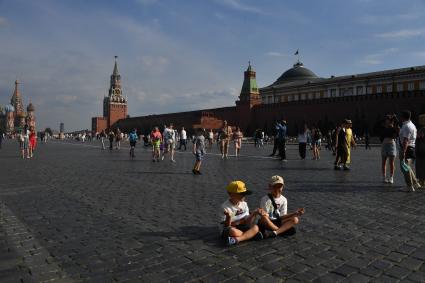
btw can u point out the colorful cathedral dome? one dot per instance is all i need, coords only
(30, 107)
(9, 108)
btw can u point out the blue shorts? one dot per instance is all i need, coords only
(199, 155)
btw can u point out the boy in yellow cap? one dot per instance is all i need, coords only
(237, 221)
(276, 207)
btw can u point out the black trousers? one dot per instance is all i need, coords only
(275, 146)
(282, 148)
(302, 147)
(183, 143)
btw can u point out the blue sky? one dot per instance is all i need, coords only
(177, 55)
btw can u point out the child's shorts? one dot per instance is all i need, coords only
(277, 222)
(226, 230)
(199, 156)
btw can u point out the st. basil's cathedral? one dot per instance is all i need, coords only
(13, 116)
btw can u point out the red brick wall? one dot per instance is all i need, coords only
(365, 111)
(116, 112)
(99, 124)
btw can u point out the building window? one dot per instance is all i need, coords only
(379, 89)
(359, 90)
(390, 88)
(399, 87)
(333, 92)
(422, 85)
(411, 86)
(269, 99)
(368, 90)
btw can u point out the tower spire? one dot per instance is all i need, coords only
(115, 72)
(16, 99)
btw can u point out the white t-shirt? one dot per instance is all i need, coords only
(211, 135)
(237, 212)
(408, 130)
(169, 134)
(183, 135)
(281, 203)
(302, 137)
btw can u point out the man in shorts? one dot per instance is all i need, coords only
(169, 136)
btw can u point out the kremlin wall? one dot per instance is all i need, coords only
(298, 96)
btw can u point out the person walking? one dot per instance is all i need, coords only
(340, 146)
(118, 138)
(225, 135)
(156, 139)
(210, 138)
(102, 136)
(183, 139)
(407, 140)
(281, 133)
(111, 139)
(25, 142)
(275, 145)
(420, 152)
(32, 142)
(198, 150)
(132, 138)
(1, 137)
(316, 143)
(389, 134)
(237, 138)
(169, 136)
(302, 142)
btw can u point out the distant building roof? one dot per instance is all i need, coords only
(297, 73)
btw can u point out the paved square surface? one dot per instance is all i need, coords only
(75, 213)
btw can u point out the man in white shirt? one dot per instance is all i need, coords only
(169, 142)
(407, 151)
(183, 139)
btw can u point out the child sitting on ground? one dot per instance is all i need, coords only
(237, 221)
(276, 206)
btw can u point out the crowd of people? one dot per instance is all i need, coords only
(398, 137)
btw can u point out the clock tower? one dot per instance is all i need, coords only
(115, 104)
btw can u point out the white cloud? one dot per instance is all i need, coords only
(387, 19)
(378, 57)
(239, 6)
(402, 34)
(275, 54)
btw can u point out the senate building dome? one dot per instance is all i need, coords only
(296, 73)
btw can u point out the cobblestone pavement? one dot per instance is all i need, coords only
(75, 213)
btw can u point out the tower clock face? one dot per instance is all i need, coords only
(117, 91)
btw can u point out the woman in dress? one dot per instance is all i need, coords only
(237, 138)
(32, 141)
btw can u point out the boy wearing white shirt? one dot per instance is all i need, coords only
(238, 223)
(276, 207)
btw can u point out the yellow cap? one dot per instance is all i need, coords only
(237, 187)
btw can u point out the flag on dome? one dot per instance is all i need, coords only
(296, 53)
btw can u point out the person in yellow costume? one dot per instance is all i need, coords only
(349, 141)
(344, 140)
